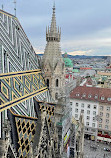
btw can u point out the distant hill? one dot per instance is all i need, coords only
(82, 56)
(40, 55)
(85, 57)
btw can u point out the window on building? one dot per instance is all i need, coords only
(87, 129)
(109, 99)
(108, 108)
(84, 95)
(107, 121)
(70, 103)
(94, 119)
(101, 114)
(101, 107)
(100, 120)
(93, 130)
(107, 115)
(76, 110)
(82, 105)
(89, 96)
(94, 112)
(57, 82)
(106, 126)
(82, 111)
(102, 98)
(56, 95)
(47, 82)
(94, 106)
(93, 124)
(100, 126)
(88, 117)
(77, 94)
(96, 96)
(87, 123)
(77, 104)
(88, 112)
(76, 115)
(88, 106)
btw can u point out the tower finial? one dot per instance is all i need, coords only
(54, 4)
(53, 34)
(15, 6)
(54, 7)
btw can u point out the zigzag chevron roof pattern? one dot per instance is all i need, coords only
(17, 54)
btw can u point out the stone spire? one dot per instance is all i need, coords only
(53, 27)
(52, 54)
(53, 34)
(52, 61)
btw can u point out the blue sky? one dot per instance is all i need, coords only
(85, 24)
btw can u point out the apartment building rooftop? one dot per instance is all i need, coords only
(96, 94)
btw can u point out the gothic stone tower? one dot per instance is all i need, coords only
(52, 62)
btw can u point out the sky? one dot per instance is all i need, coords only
(85, 24)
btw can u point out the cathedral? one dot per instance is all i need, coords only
(35, 115)
(27, 127)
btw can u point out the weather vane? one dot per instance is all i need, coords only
(15, 6)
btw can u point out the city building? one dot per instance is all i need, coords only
(104, 74)
(103, 79)
(109, 60)
(104, 116)
(81, 100)
(95, 104)
(68, 62)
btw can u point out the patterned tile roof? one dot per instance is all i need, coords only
(96, 94)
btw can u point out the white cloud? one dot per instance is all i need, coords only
(38, 51)
(86, 43)
(91, 46)
(80, 52)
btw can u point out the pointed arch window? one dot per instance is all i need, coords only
(47, 82)
(57, 82)
(56, 95)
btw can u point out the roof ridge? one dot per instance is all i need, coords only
(92, 94)
(7, 13)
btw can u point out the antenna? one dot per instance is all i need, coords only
(54, 3)
(2, 6)
(15, 6)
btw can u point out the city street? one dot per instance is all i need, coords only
(96, 150)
